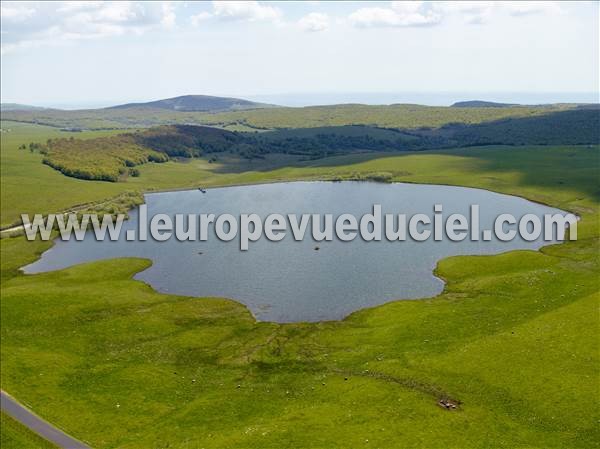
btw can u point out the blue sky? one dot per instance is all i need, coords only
(100, 53)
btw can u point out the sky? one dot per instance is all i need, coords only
(84, 54)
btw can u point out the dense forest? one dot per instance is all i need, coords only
(114, 158)
(102, 159)
(576, 126)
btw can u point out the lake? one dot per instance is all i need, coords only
(290, 281)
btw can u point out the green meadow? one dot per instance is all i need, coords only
(15, 436)
(512, 340)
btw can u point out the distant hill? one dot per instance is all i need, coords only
(19, 107)
(115, 157)
(196, 103)
(263, 117)
(482, 104)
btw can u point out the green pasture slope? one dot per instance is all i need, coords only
(14, 435)
(513, 339)
(26, 186)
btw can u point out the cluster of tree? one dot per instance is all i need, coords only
(102, 159)
(92, 174)
(188, 140)
(193, 141)
(335, 143)
(112, 158)
(33, 146)
(574, 127)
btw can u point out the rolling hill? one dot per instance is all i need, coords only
(482, 104)
(196, 103)
(114, 158)
(136, 115)
(19, 107)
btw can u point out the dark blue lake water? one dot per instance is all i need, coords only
(289, 280)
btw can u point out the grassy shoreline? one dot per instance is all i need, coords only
(513, 338)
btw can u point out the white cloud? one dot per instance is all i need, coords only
(245, 11)
(399, 14)
(525, 8)
(30, 24)
(168, 15)
(78, 6)
(49, 23)
(407, 7)
(314, 21)
(13, 11)
(478, 12)
(238, 11)
(200, 17)
(418, 13)
(472, 12)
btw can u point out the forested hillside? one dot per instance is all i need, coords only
(400, 116)
(114, 158)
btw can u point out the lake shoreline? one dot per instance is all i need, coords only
(398, 278)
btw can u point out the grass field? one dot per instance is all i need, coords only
(28, 186)
(13, 435)
(513, 338)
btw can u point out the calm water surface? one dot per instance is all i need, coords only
(289, 281)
